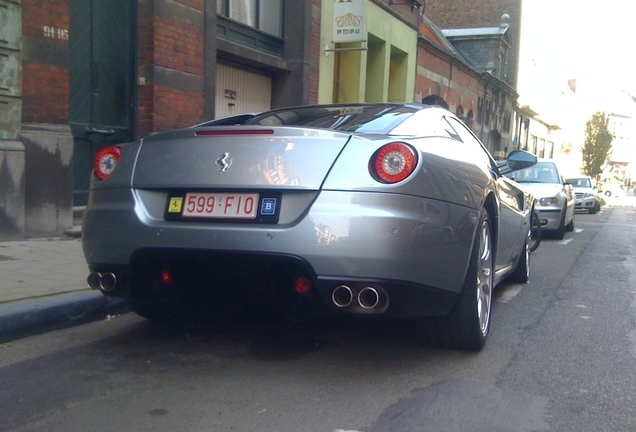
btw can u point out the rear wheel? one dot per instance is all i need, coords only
(468, 325)
(522, 272)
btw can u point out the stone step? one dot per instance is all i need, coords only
(76, 229)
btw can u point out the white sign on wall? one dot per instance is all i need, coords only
(348, 25)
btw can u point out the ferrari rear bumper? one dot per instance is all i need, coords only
(412, 253)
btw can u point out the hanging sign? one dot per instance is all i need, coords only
(348, 25)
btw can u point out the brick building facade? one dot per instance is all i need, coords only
(86, 74)
(460, 14)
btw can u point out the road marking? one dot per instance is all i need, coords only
(510, 293)
(578, 230)
(566, 241)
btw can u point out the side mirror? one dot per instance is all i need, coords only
(520, 159)
(517, 160)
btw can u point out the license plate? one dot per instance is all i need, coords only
(220, 205)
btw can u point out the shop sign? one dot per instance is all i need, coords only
(348, 23)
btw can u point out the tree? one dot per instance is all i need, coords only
(598, 144)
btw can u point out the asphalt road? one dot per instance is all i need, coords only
(561, 357)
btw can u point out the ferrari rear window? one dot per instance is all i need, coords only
(353, 118)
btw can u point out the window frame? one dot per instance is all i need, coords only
(225, 8)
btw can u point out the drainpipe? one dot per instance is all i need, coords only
(483, 117)
(450, 76)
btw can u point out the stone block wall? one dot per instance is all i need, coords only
(12, 157)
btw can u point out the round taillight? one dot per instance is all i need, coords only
(393, 162)
(105, 161)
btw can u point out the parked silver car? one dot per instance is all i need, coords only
(554, 197)
(586, 194)
(386, 210)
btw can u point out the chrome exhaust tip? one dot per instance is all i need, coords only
(102, 281)
(368, 298)
(109, 282)
(342, 296)
(94, 280)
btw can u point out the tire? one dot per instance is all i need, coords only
(608, 193)
(559, 233)
(535, 234)
(521, 274)
(570, 227)
(468, 325)
(596, 208)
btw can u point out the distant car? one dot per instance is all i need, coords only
(586, 194)
(384, 209)
(554, 198)
(610, 190)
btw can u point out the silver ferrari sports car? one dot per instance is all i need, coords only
(385, 209)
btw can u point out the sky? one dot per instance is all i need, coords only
(590, 42)
(593, 42)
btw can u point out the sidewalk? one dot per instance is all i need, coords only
(43, 287)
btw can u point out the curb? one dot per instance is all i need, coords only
(24, 318)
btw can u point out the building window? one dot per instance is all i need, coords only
(550, 150)
(264, 15)
(506, 123)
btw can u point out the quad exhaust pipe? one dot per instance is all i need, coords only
(367, 299)
(342, 296)
(105, 282)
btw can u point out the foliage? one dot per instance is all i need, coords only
(598, 144)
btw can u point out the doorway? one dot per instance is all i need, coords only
(102, 49)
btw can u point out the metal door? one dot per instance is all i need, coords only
(102, 77)
(239, 91)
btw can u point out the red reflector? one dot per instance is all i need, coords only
(393, 162)
(166, 277)
(234, 132)
(105, 161)
(302, 285)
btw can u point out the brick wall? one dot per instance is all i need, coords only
(178, 46)
(174, 45)
(175, 109)
(38, 14)
(472, 13)
(481, 13)
(45, 77)
(45, 93)
(446, 77)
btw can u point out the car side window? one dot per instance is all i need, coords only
(467, 137)
(424, 123)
